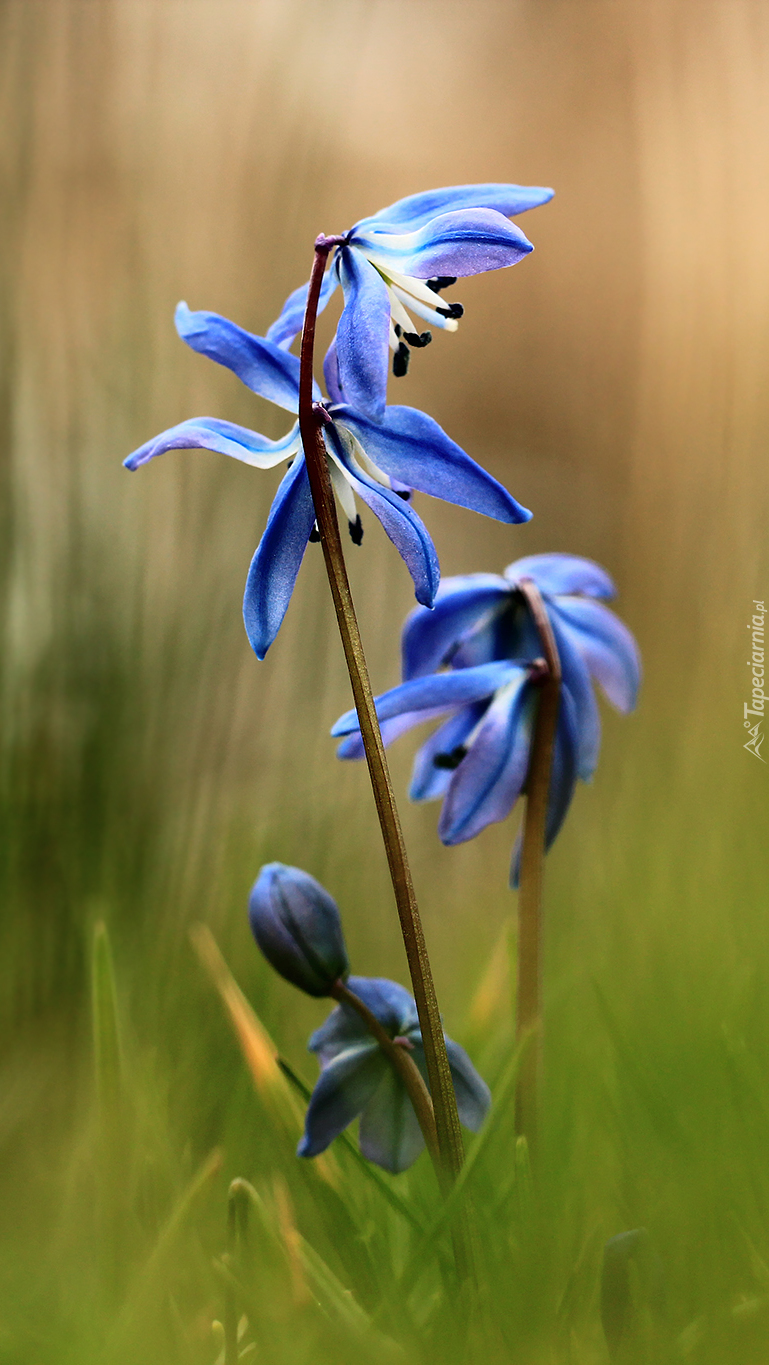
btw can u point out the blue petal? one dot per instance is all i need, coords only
(606, 645)
(473, 1094)
(388, 1001)
(576, 678)
(466, 242)
(563, 778)
(208, 433)
(430, 637)
(440, 691)
(343, 1090)
(262, 366)
(409, 446)
(331, 374)
(407, 532)
(429, 780)
(275, 565)
(562, 573)
(291, 320)
(417, 209)
(489, 779)
(362, 336)
(352, 745)
(389, 1131)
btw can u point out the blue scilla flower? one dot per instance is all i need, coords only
(480, 631)
(377, 462)
(395, 264)
(298, 928)
(356, 1079)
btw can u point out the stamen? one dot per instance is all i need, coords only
(314, 535)
(452, 759)
(440, 282)
(290, 462)
(398, 329)
(453, 310)
(404, 493)
(418, 339)
(356, 530)
(401, 360)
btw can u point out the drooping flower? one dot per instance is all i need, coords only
(356, 1079)
(298, 928)
(396, 263)
(481, 631)
(378, 462)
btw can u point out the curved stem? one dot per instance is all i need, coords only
(529, 990)
(403, 1063)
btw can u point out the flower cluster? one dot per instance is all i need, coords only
(297, 925)
(391, 265)
(474, 659)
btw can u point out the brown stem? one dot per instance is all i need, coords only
(529, 988)
(449, 1135)
(405, 1066)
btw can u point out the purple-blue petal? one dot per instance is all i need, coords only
(607, 646)
(352, 745)
(554, 573)
(390, 1002)
(275, 565)
(260, 364)
(389, 1132)
(439, 691)
(576, 679)
(473, 1094)
(362, 336)
(331, 374)
(489, 779)
(291, 320)
(563, 779)
(466, 242)
(343, 1090)
(417, 209)
(209, 433)
(409, 446)
(430, 780)
(431, 636)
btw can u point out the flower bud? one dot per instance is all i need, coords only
(297, 926)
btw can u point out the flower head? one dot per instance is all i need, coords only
(297, 926)
(356, 1079)
(379, 463)
(395, 264)
(474, 661)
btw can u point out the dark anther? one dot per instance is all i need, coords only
(398, 329)
(452, 759)
(404, 493)
(401, 360)
(289, 462)
(440, 282)
(418, 339)
(314, 535)
(356, 531)
(452, 310)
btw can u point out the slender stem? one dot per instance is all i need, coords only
(529, 991)
(439, 1074)
(403, 1063)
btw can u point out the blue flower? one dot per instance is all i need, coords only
(480, 629)
(377, 462)
(298, 928)
(395, 264)
(357, 1079)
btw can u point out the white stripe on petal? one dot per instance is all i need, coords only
(422, 311)
(343, 488)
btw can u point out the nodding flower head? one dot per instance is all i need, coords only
(357, 1079)
(393, 267)
(474, 661)
(297, 926)
(377, 463)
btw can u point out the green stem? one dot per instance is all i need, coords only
(405, 1066)
(310, 419)
(529, 986)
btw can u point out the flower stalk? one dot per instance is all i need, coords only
(311, 418)
(530, 936)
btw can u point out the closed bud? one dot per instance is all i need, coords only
(297, 926)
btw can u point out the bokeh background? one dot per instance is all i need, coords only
(616, 381)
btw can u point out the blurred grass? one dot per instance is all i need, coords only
(148, 765)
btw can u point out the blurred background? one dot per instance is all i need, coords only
(615, 381)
